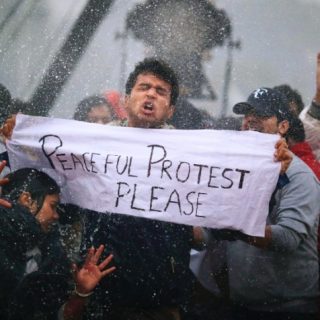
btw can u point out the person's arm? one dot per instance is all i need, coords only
(276, 238)
(310, 116)
(295, 217)
(314, 110)
(86, 279)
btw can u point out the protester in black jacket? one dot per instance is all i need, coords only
(34, 270)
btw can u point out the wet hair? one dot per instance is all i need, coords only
(292, 96)
(296, 130)
(158, 68)
(86, 105)
(36, 182)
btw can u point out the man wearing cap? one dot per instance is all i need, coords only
(276, 277)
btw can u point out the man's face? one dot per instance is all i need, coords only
(254, 122)
(148, 104)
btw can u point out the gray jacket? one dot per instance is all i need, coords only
(285, 276)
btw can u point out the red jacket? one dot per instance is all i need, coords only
(304, 152)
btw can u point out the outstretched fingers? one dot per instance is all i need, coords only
(97, 254)
(89, 257)
(105, 262)
(107, 271)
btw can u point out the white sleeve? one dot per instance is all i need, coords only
(312, 130)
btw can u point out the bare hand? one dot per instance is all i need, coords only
(8, 127)
(283, 154)
(88, 277)
(4, 203)
(317, 95)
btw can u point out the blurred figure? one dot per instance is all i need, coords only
(296, 141)
(294, 98)
(310, 117)
(117, 102)
(95, 109)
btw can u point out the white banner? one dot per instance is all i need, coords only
(218, 179)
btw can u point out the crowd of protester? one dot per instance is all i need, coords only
(64, 262)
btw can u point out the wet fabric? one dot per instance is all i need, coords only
(152, 261)
(26, 290)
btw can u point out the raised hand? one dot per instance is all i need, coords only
(88, 277)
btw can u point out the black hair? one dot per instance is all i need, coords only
(85, 106)
(296, 130)
(292, 96)
(36, 182)
(158, 68)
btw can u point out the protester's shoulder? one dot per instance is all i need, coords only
(297, 166)
(301, 173)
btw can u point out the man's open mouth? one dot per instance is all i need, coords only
(148, 106)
